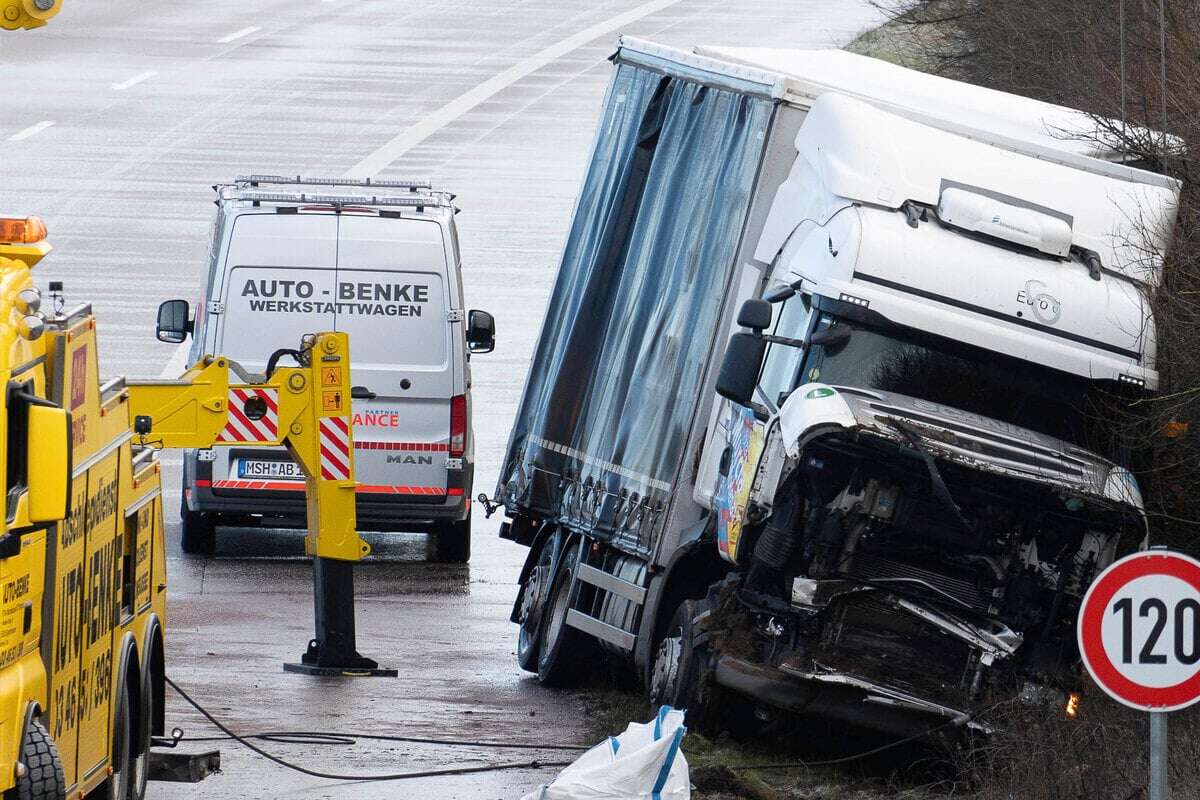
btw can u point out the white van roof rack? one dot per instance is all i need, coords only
(302, 180)
(418, 201)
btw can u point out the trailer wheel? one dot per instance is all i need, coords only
(562, 655)
(199, 531)
(452, 541)
(534, 592)
(43, 778)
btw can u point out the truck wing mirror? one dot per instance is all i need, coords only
(755, 314)
(481, 332)
(739, 371)
(48, 446)
(173, 323)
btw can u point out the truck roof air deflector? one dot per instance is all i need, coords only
(1006, 219)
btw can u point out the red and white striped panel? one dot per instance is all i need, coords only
(241, 428)
(335, 448)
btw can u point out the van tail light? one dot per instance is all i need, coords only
(458, 425)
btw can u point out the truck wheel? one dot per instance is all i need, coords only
(534, 592)
(139, 765)
(199, 531)
(452, 541)
(562, 655)
(119, 786)
(673, 673)
(44, 773)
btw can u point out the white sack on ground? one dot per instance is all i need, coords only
(643, 762)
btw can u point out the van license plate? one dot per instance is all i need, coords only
(287, 470)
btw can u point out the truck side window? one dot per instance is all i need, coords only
(782, 361)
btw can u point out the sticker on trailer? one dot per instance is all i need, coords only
(1139, 631)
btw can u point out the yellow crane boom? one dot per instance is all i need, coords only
(305, 408)
(27, 14)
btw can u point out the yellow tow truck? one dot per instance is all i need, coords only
(82, 553)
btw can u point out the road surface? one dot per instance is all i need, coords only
(118, 118)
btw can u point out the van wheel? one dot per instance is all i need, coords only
(44, 776)
(452, 541)
(563, 650)
(118, 785)
(199, 531)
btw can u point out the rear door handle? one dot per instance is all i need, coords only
(362, 393)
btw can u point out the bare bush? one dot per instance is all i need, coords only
(1071, 52)
(1081, 54)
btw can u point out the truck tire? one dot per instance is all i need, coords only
(139, 764)
(534, 592)
(563, 651)
(199, 531)
(678, 676)
(119, 785)
(44, 778)
(674, 671)
(452, 541)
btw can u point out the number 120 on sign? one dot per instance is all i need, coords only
(1139, 630)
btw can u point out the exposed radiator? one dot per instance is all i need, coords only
(962, 588)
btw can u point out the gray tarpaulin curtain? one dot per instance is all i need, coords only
(614, 383)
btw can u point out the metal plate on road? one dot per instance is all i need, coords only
(287, 470)
(1139, 630)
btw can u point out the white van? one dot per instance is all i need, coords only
(290, 256)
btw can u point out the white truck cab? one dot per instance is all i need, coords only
(378, 260)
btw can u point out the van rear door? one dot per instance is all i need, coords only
(279, 284)
(393, 297)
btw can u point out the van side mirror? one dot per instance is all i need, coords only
(481, 332)
(48, 462)
(739, 371)
(173, 323)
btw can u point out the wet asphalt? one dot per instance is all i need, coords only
(152, 103)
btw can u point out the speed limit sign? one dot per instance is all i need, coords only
(1139, 630)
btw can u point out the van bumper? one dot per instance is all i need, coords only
(376, 510)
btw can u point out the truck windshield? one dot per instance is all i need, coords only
(967, 378)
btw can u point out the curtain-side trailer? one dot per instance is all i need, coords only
(897, 236)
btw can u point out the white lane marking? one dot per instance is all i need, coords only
(412, 136)
(233, 37)
(177, 364)
(32, 130)
(134, 81)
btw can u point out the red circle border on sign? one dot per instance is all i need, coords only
(1091, 618)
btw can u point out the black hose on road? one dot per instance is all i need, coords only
(399, 776)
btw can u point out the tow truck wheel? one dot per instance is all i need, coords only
(199, 531)
(139, 764)
(452, 541)
(563, 649)
(43, 779)
(119, 786)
